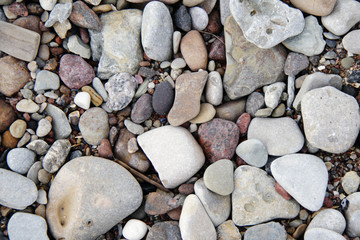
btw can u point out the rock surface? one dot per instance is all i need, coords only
(26, 224)
(321, 233)
(228, 231)
(20, 160)
(56, 155)
(60, 122)
(163, 98)
(352, 215)
(7, 115)
(94, 125)
(164, 231)
(350, 42)
(214, 88)
(266, 231)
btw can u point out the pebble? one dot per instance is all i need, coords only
(194, 51)
(163, 98)
(69, 203)
(134, 128)
(77, 46)
(188, 91)
(243, 123)
(7, 115)
(32, 174)
(104, 149)
(56, 155)
(217, 207)
(27, 105)
(218, 177)
(192, 3)
(182, 19)
(330, 129)
(350, 182)
(254, 102)
(157, 31)
(158, 203)
(269, 24)
(176, 41)
(39, 146)
(273, 94)
(214, 88)
(9, 141)
(207, 113)
(178, 63)
(61, 29)
(83, 100)
(253, 152)
(352, 215)
(44, 127)
(100, 89)
(224, 10)
(46, 80)
(60, 123)
(317, 7)
(42, 198)
(142, 109)
(174, 161)
(134, 229)
(255, 199)
(321, 233)
(18, 128)
(347, 62)
(304, 177)
(121, 89)
(350, 42)
(47, 5)
(218, 139)
(26, 224)
(330, 219)
(95, 98)
(164, 230)
(257, 67)
(281, 136)
(44, 177)
(310, 41)
(194, 222)
(231, 110)
(83, 16)
(94, 125)
(25, 194)
(199, 18)
(59, 13)
(24, 140)
(266, 231)
(20, 160)
(228, 231)
(343, 17)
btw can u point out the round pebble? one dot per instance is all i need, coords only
(134, 229)
(199, 18)
(178, 63)
(20, 160)
(18, 128)
(44, 127)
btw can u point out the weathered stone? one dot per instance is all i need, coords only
(254, 102)
(207, 112)
(321, 233)
(164, 231)
(350, 42)
(83, 16)
(231, 110)
(214, 88)
(20, 160)
(59, 13)
(60, 123)
(218, 177)
(163, 98)
(46, 80)
(56, 155)
(228, 231)
(253, 152)
(273, 94)
(142, 109)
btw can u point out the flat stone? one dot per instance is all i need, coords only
(350, 42)
(267, 23)
(78, 185)
(343, 17)
(350, 182)
(317, 7)
(217, 207)
(164, 231)
(218, 177)
(182, 19)
(13, 75)
(253, 152)
(266, 231)
(330, 219)
(304, 177)
(157, 31)
(273, 94)
(39, 146)
(254, 102)
(19, 42)
(174, 153)
(121, 89)
(194, 221)
(56, 155)
(188, 91)
(59, 13)
(46, 80)
(207, 112)
(27, 105)
(228, 231)
(83, 16)
(281, 136)
(26, 192)
(214, 88)
(218, 139)
(60, 123)
(158, 203)
(20, 160)
(18, 128)
(321, 233)
(26, 224)
(178, 63)
(249, 67)
(310, 41)
(194, 51)
(44, 127)
(231, 110)
(264, 112)
(295, 63)
(255, 199)
(330, 129)
(94, 125)
(7, 115)
(77, 46)
(199, 18)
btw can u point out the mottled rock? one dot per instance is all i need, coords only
(266, 231)
(330, 219)
(315, 7)
(56, 155)
(26, 224)
(273, 94)
(254, 102)
(83, 16)
(59, 13)
(94, 125)
(27, 105)
(295, 63)
(218, 177)
(228, 231)
(217, 50)
(164, 231)
(157, 203)
(39, 146)
(44, 127)
(243, 123)
(142, 109)
(20, 160)
(231, 110)
(77, 46)
(194, 51)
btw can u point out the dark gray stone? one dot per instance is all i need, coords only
(163, 98)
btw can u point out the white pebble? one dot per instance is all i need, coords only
(165, 64)
(211, 66)
(193, 127)
(44, 16)
(82, 99)
(134, 229)
(42, 198)
(178, 63)
(176, 41)
(199, 18)
(44, 127)
(151, 85)
(32, 66)
(47, 5)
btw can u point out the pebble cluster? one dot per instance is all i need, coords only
(191, 119)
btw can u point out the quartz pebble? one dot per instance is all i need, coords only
(56, 155)
(134, 229)
(82, 99)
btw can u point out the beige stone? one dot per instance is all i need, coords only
(96, 99)
(315, 7)
(207, 112)
(194, 51)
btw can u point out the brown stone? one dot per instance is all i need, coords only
(35, 8)
(104, 149)
(18, 8)
(280, 190)
(30, 22)
(157, 203)
(214, 25)
(299, 231)
(186, 188)
(83, 16)
(315, 7)
(194, 51)
(84, 35)
(13, 75)
(175, 213)
(8, 141)
(7, 115)
(96, 99)
(217, 50)
(231, 110)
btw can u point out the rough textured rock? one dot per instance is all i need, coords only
(228, 231)
(26, 224)
(174, 153)
(60, 123)
(255, 199)
(56, 155)
(163, 98)
(83, 204)
(330, 219)
(273, 94)
(266, 231)
(218, 177)
(94, 125)
(254, 102)
(315, 7)
(267, 23)
(304, 177)
(321, 233)
(164, 231)
(83, 16)
(194, 51)
(330, 129)
(7, 115)
(249, 67)
(182, 19)
(188, 90)
(281, 136)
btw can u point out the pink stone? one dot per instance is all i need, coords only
(104, 149)
(280, 190)
(243, 123)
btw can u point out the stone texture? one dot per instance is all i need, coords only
(25, 224)
(254, 102)
(60, 123)
(253, 152)
(350, 42)
(18, 128)
(352, 215)
(267, 23)
(39, 146)
(219, 139)
(304, 177)
(56, 155)
(273, 94)
(182, 19)
(321, 233)
(94, 125)
(330, 219)
(228, 231)
(77, 46)
(266, 231)
(315, 7)
(27, 106)
(7, 115)
(330, 129)
(13, 75)
(20, 160)
(249, 67)
(142, 109)
(158, 203)
(194, 51)
(295, 63)
(281, 136)
(134, 229)
(218, 177)
(168, 230)
(174, 153)
(46, 80)
(231, 110)
(243, 123)
(83, 204)
(59, 13)
(199, 18)
(214, 88)
(83, 16)
(255, 200)
(188, 91)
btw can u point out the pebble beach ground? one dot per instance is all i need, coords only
(179, 119)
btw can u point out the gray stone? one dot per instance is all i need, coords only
(281, 136)
(350, 42)
(16, 191)
(134, 128)
(253, 152)
(39, 146)
(96, 44)
(344, 16)
(255, 68)
(199, 18)
(352, 215)
(350, 182)
(255, 199)
(295, 63)
(279, 111)
(332, 129)
(33, 172)
(60, 122)
(310, 41)
(121, 89)
(254, 102)
(94, 125)
(231, 110)
(83, 204)
(142, 109)
(44, 127)
(182, 19)
(121, 47)
(178, 63)
(224, 10)
(42, 198)
(228, 231)
(163, 98)
(168, 230)
(56, 155)
(59, 13)
(321, 233)
(176, 41)
(266, 231)
(174, 153)
(20, 160)
(100, 89)
(194, 222)
(330, 219)
(214, 88)
(304, 177)
(25, 225)
(218, 177)
(264, 112)
(273, 94)
(46, 80)
(157, 31)
(267, 23)
(77, 46)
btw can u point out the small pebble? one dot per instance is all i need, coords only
(83, 100)
(134, 229)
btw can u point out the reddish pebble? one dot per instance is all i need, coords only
(84, 35)
(280, 190)
(18, 8)
(58, 40)
(104, 149)
(240, 161)
(217, 50)
(27, 117)
(157, 203)
(30, 22)
(214, 25)
(144, 64)
(175, 214)
(243, 123)
(328, 202)
(57, 51)
(186, 188)
(8, 141)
